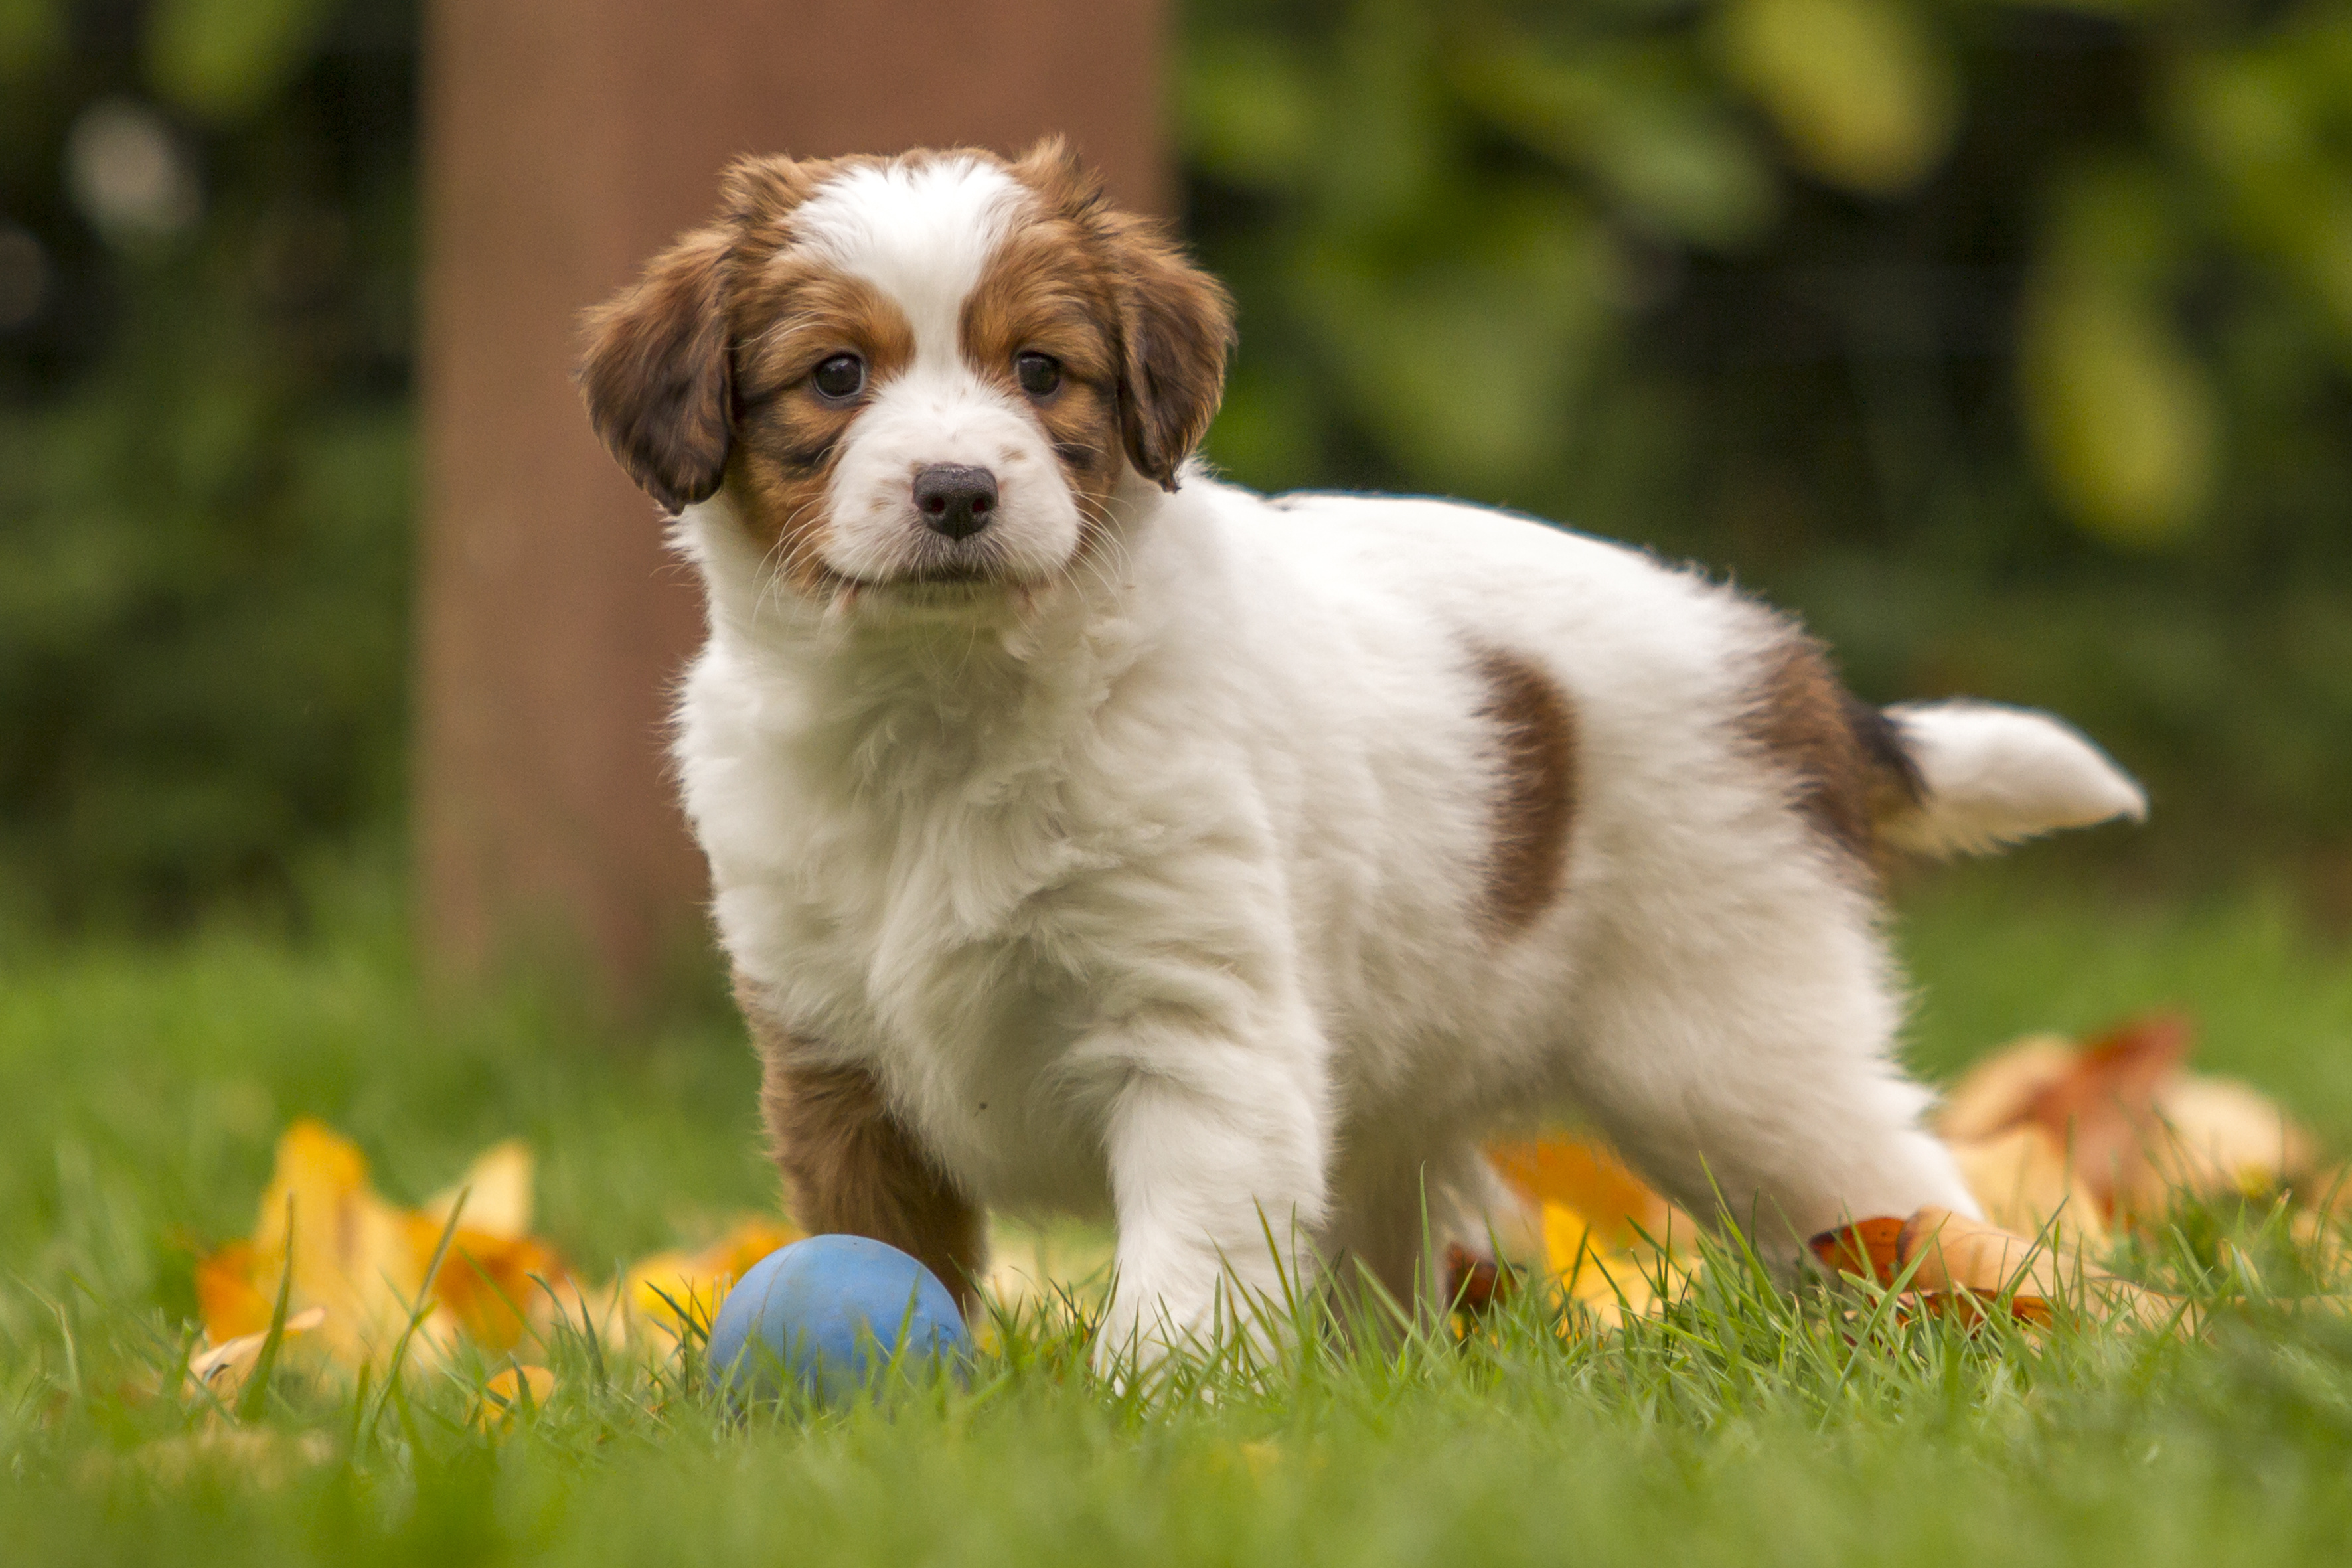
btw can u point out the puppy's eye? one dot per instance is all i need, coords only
(1040, 374)
(840, 376)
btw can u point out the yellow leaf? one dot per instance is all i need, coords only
(364, 1260)
(497, 1190)
(1609, 1285)
(1591, 1181)
(511, 1392)
(353, 1251)
(1865, 93)
(223, 1367)
(659, 1288)
(487, 1283)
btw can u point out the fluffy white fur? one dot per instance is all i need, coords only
(1152, 891)
(1995, 775)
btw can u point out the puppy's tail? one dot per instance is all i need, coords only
(1989, 775)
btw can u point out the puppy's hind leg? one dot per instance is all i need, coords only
(1743, 1063)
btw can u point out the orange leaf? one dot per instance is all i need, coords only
(1589, 1179)
(486, 1283)
(1868, 1249)
(228, 1299)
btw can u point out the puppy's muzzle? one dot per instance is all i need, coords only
(955, 499)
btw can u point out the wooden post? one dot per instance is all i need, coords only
(565, 141)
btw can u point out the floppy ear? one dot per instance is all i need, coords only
(1178, 326)
(656, 373)
(1176, 323)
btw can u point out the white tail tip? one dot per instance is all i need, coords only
(1995, 775)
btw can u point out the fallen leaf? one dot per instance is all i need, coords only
(1607, 1286)
(223, 1367)
(658, 1289)
(1867, 1249)
(2001, 1089)
(362, 1261)
(488, 1284)
(227, 1299)
(1594, 1184)
(353, 1253)
(1474, 1284)
(512, 1393)
(2219, 1136)
(2024, 1182)
(2121, 1124)
(496, 1191)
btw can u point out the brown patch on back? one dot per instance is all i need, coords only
(1535, 789)
(1847, 762)
(850, 1167)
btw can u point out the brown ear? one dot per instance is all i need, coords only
(656, 373)
(1176, 323)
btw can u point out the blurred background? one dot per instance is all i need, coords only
(2010, 344)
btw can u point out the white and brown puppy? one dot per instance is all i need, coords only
(1089, 832)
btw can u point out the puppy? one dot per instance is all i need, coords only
(1087, 833)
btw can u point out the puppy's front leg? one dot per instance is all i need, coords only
(1212, 1149)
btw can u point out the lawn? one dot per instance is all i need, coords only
(141, 1090)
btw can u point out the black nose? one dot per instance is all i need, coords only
(955, 499)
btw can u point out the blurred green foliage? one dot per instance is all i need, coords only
(2009, 343)
(204, 454)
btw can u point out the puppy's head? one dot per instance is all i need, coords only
(927, 369)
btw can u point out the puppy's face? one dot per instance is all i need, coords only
(926, 370)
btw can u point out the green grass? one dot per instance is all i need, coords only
(140, 1091)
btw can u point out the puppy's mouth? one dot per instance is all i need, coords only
(939, 574)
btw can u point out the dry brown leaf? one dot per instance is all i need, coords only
(2218, 1136)
(1998, 1092)
(1959, 1268)
(2104, 1111)
(1954, 1253)
(2121, 1124)
(2024, 1182)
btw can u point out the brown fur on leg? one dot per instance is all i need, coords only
(851, 1169)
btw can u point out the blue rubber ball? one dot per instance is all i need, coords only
(830, 1312)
